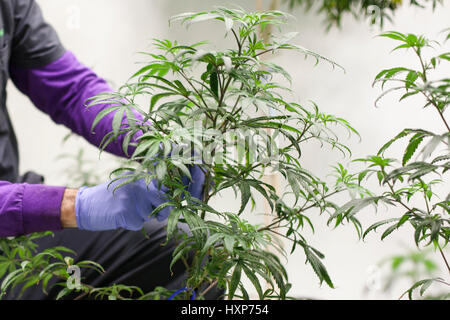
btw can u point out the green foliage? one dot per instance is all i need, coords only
(22, 266)
(80, 172)
(377, 10)
(225, 112)
(411, 183)
(413, 266)
(423, 286)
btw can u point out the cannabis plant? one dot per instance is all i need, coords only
(81, 172)
(378, 11)
(410, 267)
(417, 183)
(226, 112)
(22, 266)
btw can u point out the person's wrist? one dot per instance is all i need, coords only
(68, 218)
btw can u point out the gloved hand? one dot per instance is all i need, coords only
(98, 208)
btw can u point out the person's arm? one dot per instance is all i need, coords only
(26, 208)
(61, 88)
(58, 84)
(68, 218)
(52, 77)
(55, 81)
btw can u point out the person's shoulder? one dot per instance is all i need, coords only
(11, 6)
(6, 17)
(7, 7)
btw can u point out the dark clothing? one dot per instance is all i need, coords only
(27, 41)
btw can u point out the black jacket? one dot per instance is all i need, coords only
(26, 41)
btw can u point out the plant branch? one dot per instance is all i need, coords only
(209, 288)
(430, 100)
(445, 259)
(238, 42)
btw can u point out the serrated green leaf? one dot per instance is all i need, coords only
(374, 226)
(161, 170)
(412, 147)
(101, 115)
(184, 169)
(158, 97)
(388, 231)
(318, 268)
(172, 222)
(229, 243)
(64, 292)
(254, 279)
(117, 121)
(214, 83)
(245, 195)
(234, 282)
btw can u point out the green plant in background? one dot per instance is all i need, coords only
(411, 267)
(377, 10)
(22, 266)
(408, 183)
(84, 171)
(233, 120)
(81, 172)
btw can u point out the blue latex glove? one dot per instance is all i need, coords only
(98, 208)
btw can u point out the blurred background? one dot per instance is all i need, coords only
(107, 35)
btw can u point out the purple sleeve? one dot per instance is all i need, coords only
(26, 208)
(60, 89)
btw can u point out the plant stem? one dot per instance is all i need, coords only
(206, 194)
(186, 264)
(209, 288)
(196, 91)
(238, 42)
(445, 259)
(83, 294)
(269, 226)
(223, 92)
(391, 187)
(430, 100)
(304, 208)
(281, 235)
(314, 205)
(426, 203)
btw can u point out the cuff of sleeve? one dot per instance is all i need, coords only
(41, 210)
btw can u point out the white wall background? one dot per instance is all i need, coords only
(107, 34)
